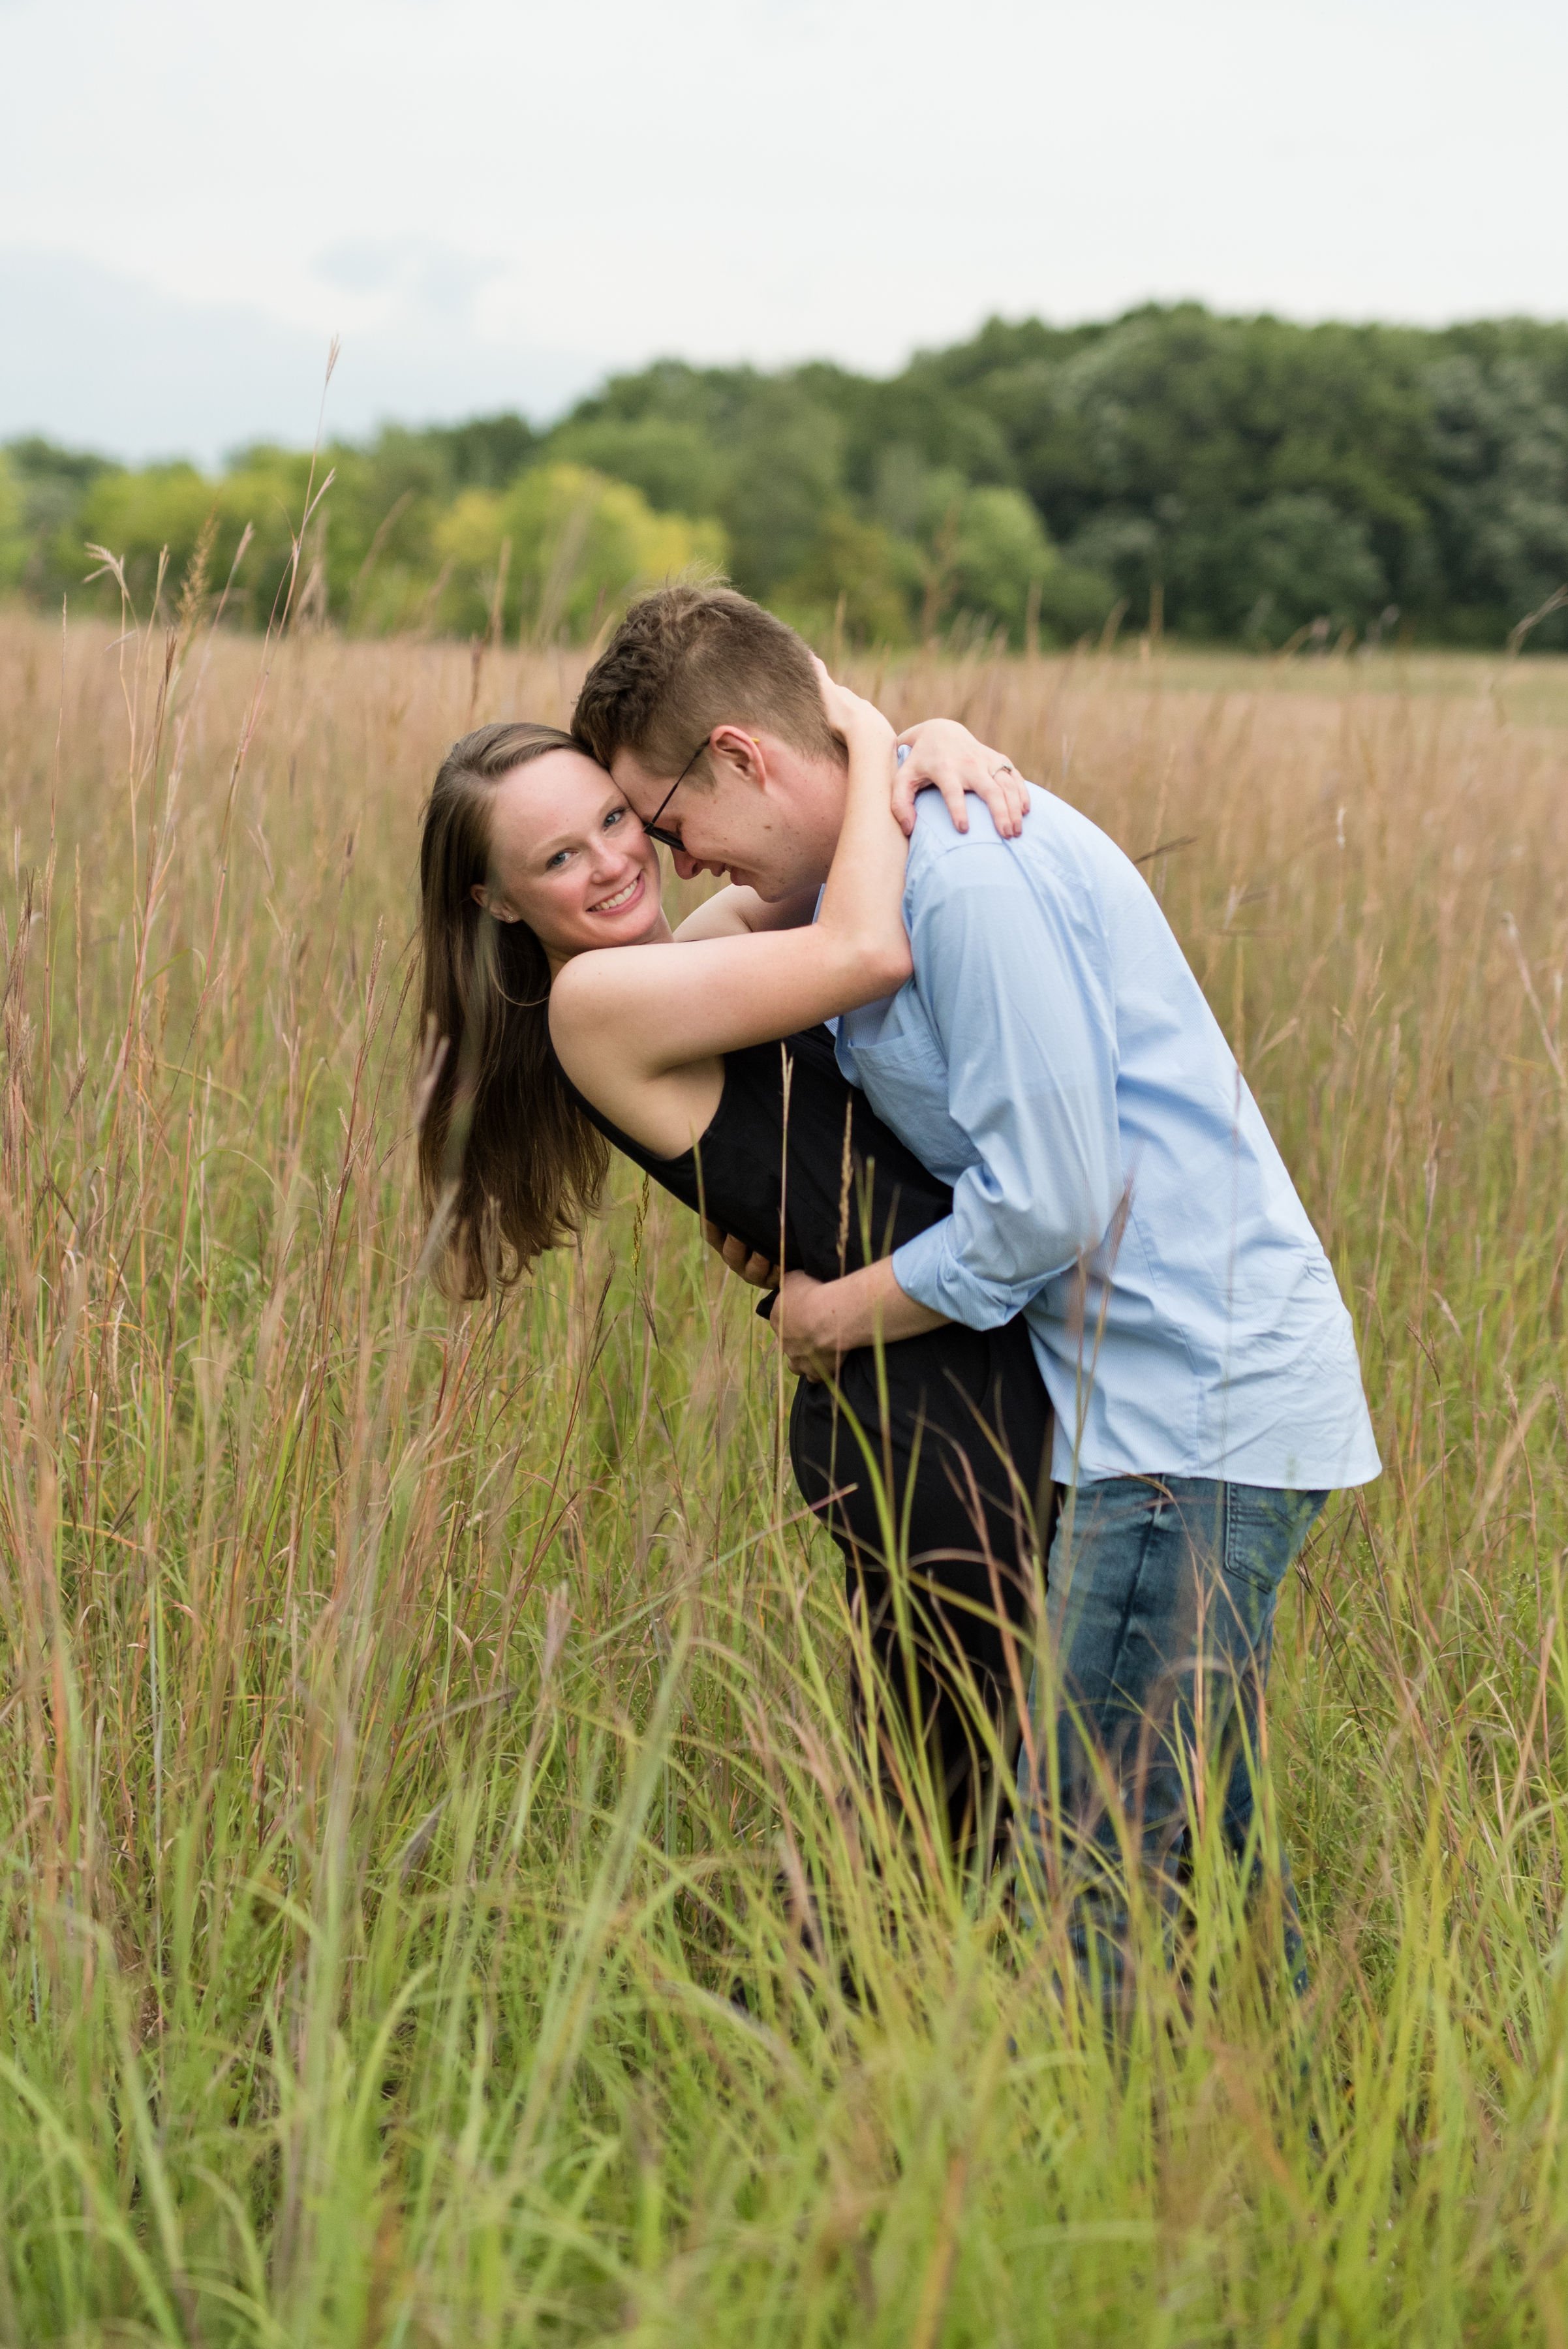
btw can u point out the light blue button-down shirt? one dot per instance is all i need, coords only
(1052, 1059)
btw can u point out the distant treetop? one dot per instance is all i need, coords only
(1245, 479)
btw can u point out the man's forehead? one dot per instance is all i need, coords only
(636, 781)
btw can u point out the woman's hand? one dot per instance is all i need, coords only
(946, 757)
(740, 1260)
(850, 715)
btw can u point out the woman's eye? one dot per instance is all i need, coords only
(554, 862)
(616, 815)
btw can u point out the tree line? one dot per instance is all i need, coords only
(1231, 480)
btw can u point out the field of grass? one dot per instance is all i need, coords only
(413, 1722)
(1531, 692)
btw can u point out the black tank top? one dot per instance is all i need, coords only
(796, 1163)
(825, 1187)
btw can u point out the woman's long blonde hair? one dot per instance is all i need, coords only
(508, 1162)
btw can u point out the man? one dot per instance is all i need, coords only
(1052, 1059)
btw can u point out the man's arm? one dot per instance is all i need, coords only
(1018, 986)
(819, 1321)
(1018, 989)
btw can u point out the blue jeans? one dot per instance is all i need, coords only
(1159, 1614)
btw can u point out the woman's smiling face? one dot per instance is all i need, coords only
(568, 856)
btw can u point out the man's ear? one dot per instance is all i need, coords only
(741, 754)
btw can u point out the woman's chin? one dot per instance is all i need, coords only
(629, 924)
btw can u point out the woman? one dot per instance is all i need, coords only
(560, 1019)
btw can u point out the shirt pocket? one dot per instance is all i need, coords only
(903, 1076)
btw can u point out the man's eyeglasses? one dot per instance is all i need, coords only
(655, 830)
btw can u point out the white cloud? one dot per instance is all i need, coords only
(111, 363)
(465, 190)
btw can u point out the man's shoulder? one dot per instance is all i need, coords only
(939, 850)
(1058, 850)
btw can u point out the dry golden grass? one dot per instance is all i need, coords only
(369, 1907)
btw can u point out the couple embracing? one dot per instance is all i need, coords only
(935, 1055)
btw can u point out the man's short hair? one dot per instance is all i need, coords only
(686, 660)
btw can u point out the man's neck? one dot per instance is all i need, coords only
(821, 803)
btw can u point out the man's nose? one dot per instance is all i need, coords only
(698, 865)
(687, 866)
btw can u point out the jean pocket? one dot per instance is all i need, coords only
(1263, 1531)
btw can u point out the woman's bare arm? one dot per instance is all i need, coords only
(736, 912)
(624, 1018)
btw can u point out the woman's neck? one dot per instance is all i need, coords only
(659, 934)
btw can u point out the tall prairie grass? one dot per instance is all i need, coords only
(424, 1779)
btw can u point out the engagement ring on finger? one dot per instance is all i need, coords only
(1006, 768)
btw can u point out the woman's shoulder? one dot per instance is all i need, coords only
(584, 987)
(581, 1012)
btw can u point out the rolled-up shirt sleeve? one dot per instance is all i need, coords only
(1016, 983)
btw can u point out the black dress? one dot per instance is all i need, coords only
(962, 1444)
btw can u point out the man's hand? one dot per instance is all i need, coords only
(808, 1348)
(742, 1260)
(946, 757)
(819, 1320)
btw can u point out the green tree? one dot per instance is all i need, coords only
(154, 518)
(486, 453)
(1259, 475)
(51, 483)
(782, 477)
(143, 518)
(381, 517)
(676, 466)
(774, 465)
(1143, 441)
(1500, 439)
(857, 576)
(559, 551)
(1001, 558)
(12, 528)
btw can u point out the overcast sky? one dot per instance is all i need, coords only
(494, 202)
